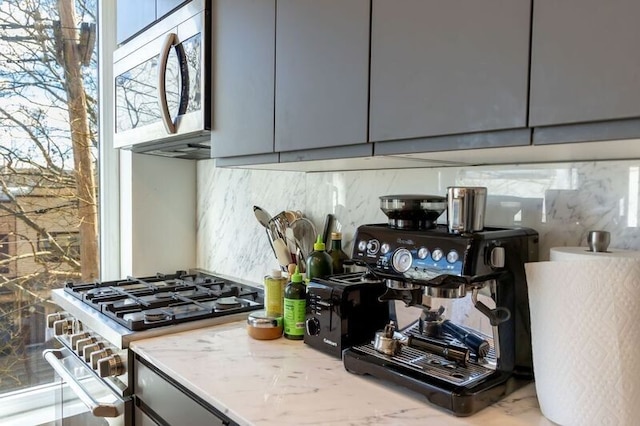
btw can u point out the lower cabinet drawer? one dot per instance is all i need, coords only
(158, 401)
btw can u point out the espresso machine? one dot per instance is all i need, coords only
(470, 344)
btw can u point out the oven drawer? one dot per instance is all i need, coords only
(164, 402)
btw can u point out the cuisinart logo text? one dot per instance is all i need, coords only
(329, 342)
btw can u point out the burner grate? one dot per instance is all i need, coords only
(150, 302)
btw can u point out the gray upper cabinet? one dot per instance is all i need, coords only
(442, 67)
(322, 63)
(585, 63)
(243, 74)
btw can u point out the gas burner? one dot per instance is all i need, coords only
(154, 315)
(225, 303)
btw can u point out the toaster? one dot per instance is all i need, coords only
(343, 310)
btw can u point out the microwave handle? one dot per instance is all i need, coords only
(169, 42)
(98, 409)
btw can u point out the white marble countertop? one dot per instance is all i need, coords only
(284, 382)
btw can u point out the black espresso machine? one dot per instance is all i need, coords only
(470, 343)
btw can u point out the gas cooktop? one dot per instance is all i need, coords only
(162, 300)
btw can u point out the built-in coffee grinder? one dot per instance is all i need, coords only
(470, 344)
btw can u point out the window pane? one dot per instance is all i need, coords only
(48, 154)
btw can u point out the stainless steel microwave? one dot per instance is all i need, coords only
(162, 86)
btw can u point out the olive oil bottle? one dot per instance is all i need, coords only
(295, 304)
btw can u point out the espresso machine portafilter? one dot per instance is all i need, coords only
(470, 344)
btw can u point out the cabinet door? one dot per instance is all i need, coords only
(442, 67)
(322, 60)
(170, 404)
(585, 63)
(133, 16)
(243, 72)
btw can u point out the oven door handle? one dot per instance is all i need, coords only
(169, 42)
(98, 409)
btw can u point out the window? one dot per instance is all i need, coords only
(49, 206)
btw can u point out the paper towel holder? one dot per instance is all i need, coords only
(598, 241)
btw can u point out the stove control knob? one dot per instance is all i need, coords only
(384, 249)
(423, 252)
(452, 256)
(76, 337)
(63, 326)
(362, 245)
(51, 318)
(76, 326)
(437, 254)
(373, 246)
(89, 349)
(402, 260)
(110, 366)
(313, 326)
(98, 355)
(84, 342)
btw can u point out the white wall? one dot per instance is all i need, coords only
(157, 214)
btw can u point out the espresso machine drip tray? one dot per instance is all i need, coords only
(431, 366)
(427, 366)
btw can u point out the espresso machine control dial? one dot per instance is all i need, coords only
(437, 254)
(402, 260)
(423, 252)
(373, 246)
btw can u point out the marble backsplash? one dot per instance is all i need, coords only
(562, 201)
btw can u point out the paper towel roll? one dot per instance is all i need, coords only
(585, 330)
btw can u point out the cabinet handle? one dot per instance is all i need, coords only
(52, 356)
(169, 42)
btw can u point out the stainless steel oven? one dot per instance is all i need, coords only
(98, 320)
(162, 86)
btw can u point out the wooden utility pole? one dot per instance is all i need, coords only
(81, 141)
